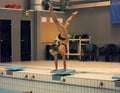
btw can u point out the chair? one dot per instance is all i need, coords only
(89, 52)
(111, 52)
(102, 52)
(118, 52)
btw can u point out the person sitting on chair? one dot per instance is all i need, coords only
(60, 45)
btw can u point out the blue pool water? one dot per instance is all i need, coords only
(8, 91)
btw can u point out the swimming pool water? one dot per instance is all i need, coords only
(8, 91)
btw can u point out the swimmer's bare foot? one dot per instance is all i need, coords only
(50, 6)
(63, 70)
(75, 13)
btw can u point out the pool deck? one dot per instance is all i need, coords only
(88, 69)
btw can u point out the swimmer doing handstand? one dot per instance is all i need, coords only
(62, 36)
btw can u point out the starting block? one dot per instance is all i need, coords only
(117, 82)
(60, 73)
(116, 77)
(15, 68)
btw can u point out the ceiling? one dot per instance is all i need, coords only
(69, 4)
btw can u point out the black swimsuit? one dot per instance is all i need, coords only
(56, 43)
(60, 37)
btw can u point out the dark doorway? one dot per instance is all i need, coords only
(5, 41)
(25, 40)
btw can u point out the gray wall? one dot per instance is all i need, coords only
(96, 23)
(16, 16)
(37, 48)
(93, 21)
